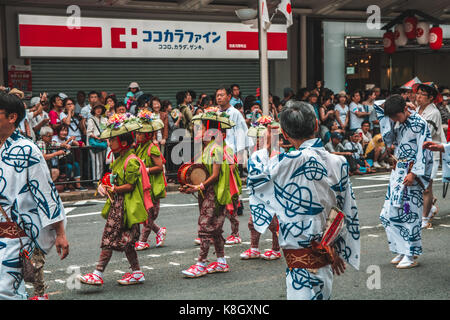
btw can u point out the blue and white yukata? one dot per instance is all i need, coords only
(29, 197)
(301, 187)
(401, 215)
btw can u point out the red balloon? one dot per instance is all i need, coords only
(389, 42)
(436, 38)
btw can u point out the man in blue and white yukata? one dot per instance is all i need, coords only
(28, 197)
(405, 131)
(301, 187)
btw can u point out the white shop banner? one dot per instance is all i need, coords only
(49, 36)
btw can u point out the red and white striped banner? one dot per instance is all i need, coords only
(49, 36)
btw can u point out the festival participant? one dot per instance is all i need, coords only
(401, 212)
(127, 202)
(260, 132)
(152, 157)
(214, 194)
(425, 95)
(28, 200)
(302, 187)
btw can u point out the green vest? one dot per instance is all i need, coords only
(134, 209)
(156, 180)
(213, 153)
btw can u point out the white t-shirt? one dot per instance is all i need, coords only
(86, 111)
(351, 146)
(355, 122)
(74, 130)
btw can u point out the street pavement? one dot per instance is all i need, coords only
(251, 279)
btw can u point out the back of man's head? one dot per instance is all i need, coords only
(10, 103)
(394, 104)
(298, 120)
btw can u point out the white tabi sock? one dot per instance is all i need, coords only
(222, 260)
(98, 273)
(203, 264)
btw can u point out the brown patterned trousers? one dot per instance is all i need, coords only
(255, 235)
(150, 224)
(210, 224)
(234, 221)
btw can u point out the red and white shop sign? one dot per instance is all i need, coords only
(48, 36)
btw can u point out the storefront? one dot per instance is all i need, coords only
(163, 56)
(354, 58)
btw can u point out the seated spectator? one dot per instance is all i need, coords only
(354, 146)
(377, 151)
(365, 134)
(68, 164)
(335, 145)
(313, 99)
(46, 143)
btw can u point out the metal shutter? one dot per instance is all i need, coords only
(163, 78)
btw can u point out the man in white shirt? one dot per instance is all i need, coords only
(425, 95)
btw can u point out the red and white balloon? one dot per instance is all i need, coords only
(389, 42)
(410, 24)
(400, 36)
(436, 38)
(423, 33)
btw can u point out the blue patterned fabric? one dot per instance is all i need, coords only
(29, 197)
(403, 206)
(300, 187)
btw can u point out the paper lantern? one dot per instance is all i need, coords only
(436, 38)
(389, 42)
(423, 33)
(410, 24)
(400, 36)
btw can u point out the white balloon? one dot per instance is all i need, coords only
(423, 33)
(400, 36)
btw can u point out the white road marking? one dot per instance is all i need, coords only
(153, 255)
(148, 268)
(444, 225)
(177, 252)
(174, 263)
(119, 271)
(60, 281)
(80, 203)
(373, 235)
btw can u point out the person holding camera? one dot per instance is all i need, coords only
(355, 147)
(39, 117)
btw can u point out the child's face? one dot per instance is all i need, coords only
(355, 138)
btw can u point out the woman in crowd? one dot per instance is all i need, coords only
(342, 112)
(68, 163)
(163, 134)
(95, 126)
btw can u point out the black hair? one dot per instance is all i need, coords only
(165, 104)
(432, 92)
(394, 104)
(301, 93)
(276, 101)
(355, 92)
(82, 92)
(67, 99)
(248, 102)
(113, 98)
(93, 92)
(12, 104)
(205, 101)
(53, 99)
(227, 89)
(127, 137)
(364, 122)
(180, 96)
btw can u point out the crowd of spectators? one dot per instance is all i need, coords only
(67, 130)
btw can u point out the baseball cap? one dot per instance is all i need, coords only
(336, 135)
(34, 101)
(133, 85)
(63, 95)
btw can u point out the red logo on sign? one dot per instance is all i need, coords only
(116, 43)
